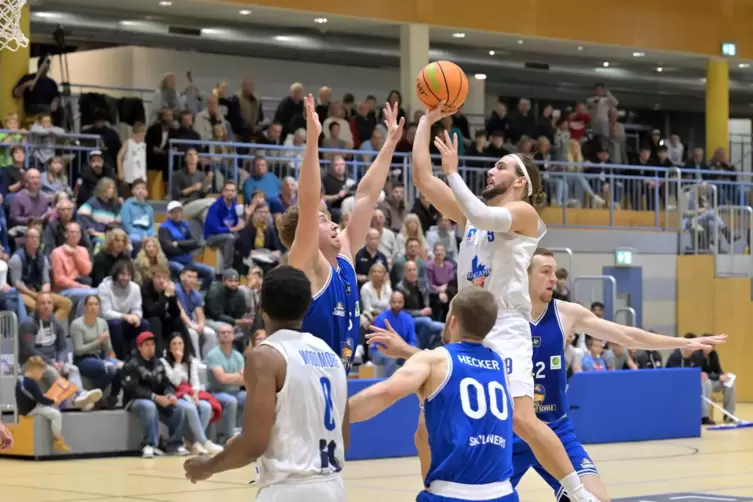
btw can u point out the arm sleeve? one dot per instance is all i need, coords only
(15, 267)
(172, 375)
(494, 219)
(77, 334)
(32, 387)
(132, 383)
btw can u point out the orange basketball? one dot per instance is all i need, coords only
(442, 81)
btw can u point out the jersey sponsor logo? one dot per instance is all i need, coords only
(470, 239)
(346, 353)
(358, 308)
(339, 310)
(479, 272)
(490, 439)
(536, 341)
(555, 362)
(539, 395)
(587, 464)
(347, 288)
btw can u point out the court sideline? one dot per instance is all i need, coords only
(719, 463)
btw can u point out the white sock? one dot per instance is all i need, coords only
(571, 483)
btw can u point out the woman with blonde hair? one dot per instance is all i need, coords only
(412, 228)
(579, 185)
(151, 254)
(115, 248)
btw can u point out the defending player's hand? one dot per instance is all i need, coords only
(449, 150)
(438, 113)
(6, 438)
(705, 342)
(390, 343)
(313, 126)
(394, 126)
(197, 469)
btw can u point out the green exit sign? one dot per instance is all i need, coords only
(729, 49)
(623, 257)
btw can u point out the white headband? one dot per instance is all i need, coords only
(525, 173)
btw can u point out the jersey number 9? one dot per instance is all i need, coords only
(487, 399)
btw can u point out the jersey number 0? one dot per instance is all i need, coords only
(487, 399)
(327, 448)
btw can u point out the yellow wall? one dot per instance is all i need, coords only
(708, 304)
(697, 26)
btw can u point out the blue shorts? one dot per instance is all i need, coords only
(425, 496)
(523, 458)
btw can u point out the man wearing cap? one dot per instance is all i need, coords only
(91, 174)
(178, 244)
(226, 304)
(148, 393)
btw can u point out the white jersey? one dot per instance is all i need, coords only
(498, 262)
(134, 161)
(307, 442)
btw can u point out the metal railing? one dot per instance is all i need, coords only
(9, 370)
(733, 258)
(609, 298)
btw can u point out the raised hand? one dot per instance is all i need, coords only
(394, 127)
(438, 113)
(449, 150)
(313, 126)
(390, 343)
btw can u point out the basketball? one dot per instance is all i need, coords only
(442, 81)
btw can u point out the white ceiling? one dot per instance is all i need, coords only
(504, 45)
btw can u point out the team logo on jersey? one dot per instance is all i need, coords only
(479, 272)
(347, 288)
(587, 464)
(339, 310)
(346, 353)
(539, 395)
(536, 342)
(471, 237)
(358, 308)
(555, 362)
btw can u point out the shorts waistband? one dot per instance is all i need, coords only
(489, 491)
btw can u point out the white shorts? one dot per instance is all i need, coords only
(511, 339)
(331, 489)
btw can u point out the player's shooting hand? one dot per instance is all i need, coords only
(394, 125)
(390, 343)
(449, 150)
(438, 113)
(313, 126)
(197, 469)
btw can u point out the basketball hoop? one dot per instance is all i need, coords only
(11, 36)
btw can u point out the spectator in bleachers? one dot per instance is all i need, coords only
(578, 121)
(394, 207)
(373, 145)
(226, 304)
(39, 92)
(599, 105)
(261, 179)
(14, 136)
(561, 289)
(203, 338)
(498, 120)
(287, 196)
(610, 188)
(617, 144)
(443, 233)
(272, 136)
(71, 267)
(131, 159)
(245, 113)
(405, 145)
(336, 187)
(13, 174)
(441, 273)
(333, 140)
(546, 123)
(296, 141)
(476, 149)
(91, 174)
(403, 324)
(395, 97)
(562, 139)
(32, 402)
(721, 170)
(593, 360)
(365, 120)
(697, 162)
(167, 95)
(523, 122)
(93, 353)
(387, 239)
(185, 131)
(427, 214)
(42, 335)
(29, 203)
(161, 309)
(323, 102)
(43, 135)
(252, 293)
(190, 187)
(647, 359)
(114, 250)
(122, 307)
(258, 337)
(416, 294)
(290, 109)
(375, 293)
(348, 101)
(55, 232)
(54, 179)
(689, 358)
(110, 137)
(150, 255)
(225, 380)
(639, 188)
(336, 115)
(412, 253)
(208, 118)
(137, 215)
(573, 355)
(554, 181)
(182, 371)
(718, 380)
(498, 147)
(101, 210)
(30, 275)
(157, 142)
(367, 256)
(178, 244)
(412, 229)
(222, 223)
(621, 359)
(446, 125)
(148, 393)
(258, 242)
(10, 298)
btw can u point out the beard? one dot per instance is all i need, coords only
(497, 190)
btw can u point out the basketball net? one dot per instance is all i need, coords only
(11, 36)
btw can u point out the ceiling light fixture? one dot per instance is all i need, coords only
(491, 53)
(45, 15)
(520, 42)
(605, 64)
(480, 76)
(320, 20)
(659, 69)
(245, 12)
(580, 47)
(458, 35)
(743, 65)
(639, 54)
(165, 3)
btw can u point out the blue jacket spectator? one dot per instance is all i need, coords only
(261, 179)
(220, 217)
(137, 218)
(403, 324)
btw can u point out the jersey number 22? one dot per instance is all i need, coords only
(327, 448)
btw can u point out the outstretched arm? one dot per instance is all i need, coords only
(582, 319)
(370, 186)
(304, 251)
(406, 381)
(438, 193)
(518, 217)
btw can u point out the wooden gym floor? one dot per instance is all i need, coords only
(718, 464)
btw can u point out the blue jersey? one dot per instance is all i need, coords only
(335, 312)
(549, 368)
(469, 419)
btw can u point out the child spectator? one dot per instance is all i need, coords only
(593, 360)
(137, 215)
(132, 156)
(561, 289)
(32, 402)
